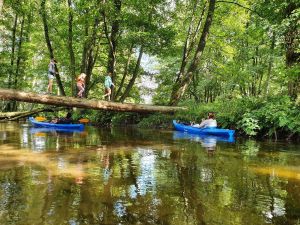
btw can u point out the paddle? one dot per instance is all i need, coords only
(84, 120)
(41, 119)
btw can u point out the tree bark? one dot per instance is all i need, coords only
(90, 52)
(18, 63)
(291, 44)
(118, 92)
(19, 54)
(270, 65)
(112, 39)
(14, 95)
(13, 47)
(48, 42)
(70, 47)
(9, 105)
(1, 5)
(85, 48)
(134, 76)
(190, 41)
(180, 87)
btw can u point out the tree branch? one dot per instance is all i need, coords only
(240, 5)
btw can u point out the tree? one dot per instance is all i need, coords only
(49, 45)
(183, 82)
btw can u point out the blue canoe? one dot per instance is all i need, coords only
(56, 126)
(203, 131)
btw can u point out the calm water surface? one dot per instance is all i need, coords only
(127, 176)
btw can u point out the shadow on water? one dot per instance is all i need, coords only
(133, 176)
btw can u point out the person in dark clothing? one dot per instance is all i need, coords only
(63, 120)
(67, 119)
(51, 74)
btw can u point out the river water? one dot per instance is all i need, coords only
(130, 176)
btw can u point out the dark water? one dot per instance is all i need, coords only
(126, 176)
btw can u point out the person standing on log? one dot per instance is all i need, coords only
(108, 85)
(81, 84)
(51, 74)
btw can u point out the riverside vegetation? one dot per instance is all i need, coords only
(239, 59)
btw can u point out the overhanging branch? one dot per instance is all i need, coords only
(242, 6)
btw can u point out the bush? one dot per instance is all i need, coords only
(156, 121)
(125, 118)
(249, 124)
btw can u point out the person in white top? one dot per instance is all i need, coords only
(210, 122)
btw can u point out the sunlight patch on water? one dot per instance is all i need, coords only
(10, 158)
(279, 171)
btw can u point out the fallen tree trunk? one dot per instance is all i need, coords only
(8, 94)
(10, 116)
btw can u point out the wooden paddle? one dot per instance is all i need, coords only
(84, 120)
(40, 118)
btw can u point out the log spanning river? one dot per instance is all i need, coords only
(130, 176)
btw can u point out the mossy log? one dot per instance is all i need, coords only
(15, 95)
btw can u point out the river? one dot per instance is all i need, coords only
(133, 176)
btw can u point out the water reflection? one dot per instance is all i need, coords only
(208, 142)
(42, 137)
(126, 176)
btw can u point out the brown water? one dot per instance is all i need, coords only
(126, 176)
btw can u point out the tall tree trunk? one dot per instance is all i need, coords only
(13, 47)
(190, 40)
(180, 87)
(70, 47)
(9, 105)
(51, 52)
(85, 48)
(118, 92)
(1, 5)
(270, 65)
(194, 90)
(19, 54)
(19, 57)
(90, 53)
(134, 76)
(292, 44)
(112, 39)
(92, 57)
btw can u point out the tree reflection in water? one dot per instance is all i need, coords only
(130, 176)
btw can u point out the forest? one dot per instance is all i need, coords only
(239, 59)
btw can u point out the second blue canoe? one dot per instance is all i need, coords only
(203, 131)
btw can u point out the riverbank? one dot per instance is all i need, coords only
(271, 118)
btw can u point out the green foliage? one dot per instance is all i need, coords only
(244, 63)
(125, 118)
(104, 118)
(279, 113)
(156, 121)
(228, 111)
(249, 124)
(251, 116)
